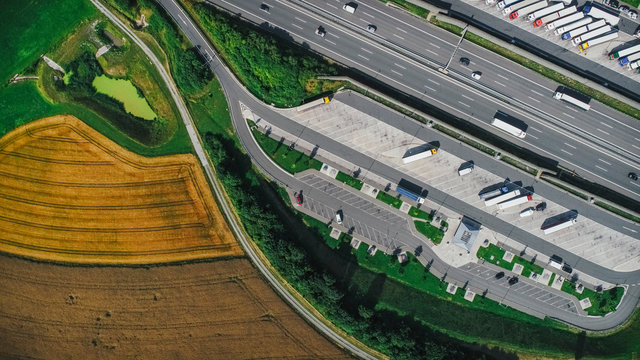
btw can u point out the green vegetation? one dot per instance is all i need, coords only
(125, 92)
(275, 71)
(566, 188)
(388, 199)
(420, 214)
(602, 303)
(515, 163)
(543, 70)
(410, 7)
(349, 180)
(615, 210)
(291, 160)
(493, 254)
(431, 232)
(634, 3)
(29, 28)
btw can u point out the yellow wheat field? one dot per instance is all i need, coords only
(67, 193)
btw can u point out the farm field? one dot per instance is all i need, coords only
(67, 193)
(220, 309)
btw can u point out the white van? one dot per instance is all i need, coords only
(465, 171)
(349, 8)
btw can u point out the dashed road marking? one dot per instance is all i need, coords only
(466, 97)
(364, 57)
(602, 131)
(502, 76)
(537, 93)
(463, 104)
(369, 15)
(367, 51)
(565, 151)
(536, 100)
(601, 168)
(400, 66)
(431, 51)
(571, 146)
(401, 30)
(434, 45)
(567, 115)
(393, 71)
(606, 162)
(432, 89)
(296, 25)
(301, 20)
(398, 36)
(435, 82)
(634, 231)
(535, 129)
(607, 125)
(499, 83)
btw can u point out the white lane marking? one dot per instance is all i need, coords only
(466, 97)
(401, 30)
(601, 168)
(463, 104)
(369, 15)
(398, 36)
(567, 115)
(635, 146)
(333, 6)
(431, 51)
(181, 19)
(607, 125)
(334, 35)
(602, 131)
(606, 162)
(571, 146)
(393, 71)
(502, 76)
(572, 109)
(565, 151)
(430, 88)
(367, 51)
(534, 129)
(499, 83)
(296, 25)
(531, 136)
(629, 229)
(301, 20)
(537, 93)
(433, 81)
(400, 66)
(536, 100)
(329, 41)
(364, 57)
(434, 45)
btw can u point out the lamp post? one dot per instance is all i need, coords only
(444, 69)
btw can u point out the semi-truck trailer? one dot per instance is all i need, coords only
(528, 9)
(627, 59)
(558, 225)
(564, 21)
(503, 125)
(554, 16)
(599, 40)
(546, 11)
(583, 29)
(515, 201)
(505, 3)
(501, 198)
(410, 194)
(624, 52)
(633, 65)
(420, 154)
(574, 25)
(492, 193)
(590, 35)
(573, 97)
(517, 6)
(598, 13)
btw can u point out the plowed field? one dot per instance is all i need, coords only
(67, 193)
(216, 310)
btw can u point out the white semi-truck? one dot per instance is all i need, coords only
(501, 198)
(421, 154)
(573, 97)
(624, 52)
(503, 125)
(598, 13)
(517, 6)
(545, 11)
(564, 21)
(515, 201)
(554, 16)
(505, 3)
(558, 225)
(590, 35)
(574, 25)
(627, 59)
(583, 29)
(528, 9)
(599, 40)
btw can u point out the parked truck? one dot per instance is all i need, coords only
(583, 29)
(634, 65)
(564, 21)
(574, 25)
(554, 16)
(572, 97)
(558, 225)
(420, 154)
(501, 198)
(624, 52)
(545, 11)
(505, 3)
(599, 40)
(590, 35)
(598, 13)
(517, 6)
(528, 9)
(410, 194)
(627, 59)
(489, 194)
(515, 201)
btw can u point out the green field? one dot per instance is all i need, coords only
(125, 92)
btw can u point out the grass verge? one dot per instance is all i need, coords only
(602, 303)
(431, 232)
(388, 199)
(410, 7)
(493, 254)
(349, 180)
(420, 214)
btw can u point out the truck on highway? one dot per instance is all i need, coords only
(515, 201)
(419, 154)
(598, 13)
(572, 97)
(499, 191)
(627, 59)
(624, 52)
(598, 40)
(574, 25)
(528, 9)
(517, 6)
(564, 21)
(590, 35)
(545, 11)
(558, 225)
(554, 16)
(501, 198)
(583, 29)
(506, 124)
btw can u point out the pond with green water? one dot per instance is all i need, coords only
(124, 91)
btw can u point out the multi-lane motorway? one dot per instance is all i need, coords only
(404, 52)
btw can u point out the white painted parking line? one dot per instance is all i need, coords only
(567, 115)
(537, 93)
(432, 89)
(502, 76)
(601, 168)
(536, 100)
(606, 162)
(369, 15)
(430, 80)
(629, 229)
(463, 104)
(301, 20)
(571, 146)
(499, 83)
(434, 45)
(393, 71)
(565, 151)
(367, 51)
(364, 57)
(607, 125)
(431, 51)
(466, 97)
(296, 25)
(398, 36)
(401, 30)
(400, 66)
(602, 131)
(534, 129)
(329, 41)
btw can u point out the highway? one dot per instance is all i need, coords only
(601, 144)
(236, 93)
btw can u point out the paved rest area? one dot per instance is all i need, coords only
(387, 145)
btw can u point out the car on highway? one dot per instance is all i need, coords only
(320, 31)
(513, 280)
(299, 199)
(464, 61)
(339, 217)
(371, 28)
(476, 75)
(633, 176)
(349, 7)
(500, 275)
(264, 7)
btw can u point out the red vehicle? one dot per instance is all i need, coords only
(299, 199)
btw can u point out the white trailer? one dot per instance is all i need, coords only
(624, 52)
(573, 97)
(574, 25)
(528, 9)
(597, 13)
(551, 228)
(590, 35)
(563, 21)
(505, 3)
(584, 29)
(546, 11)
(501, 198)
(554, 16)
(598, 40)
(634, 65)
(519, 5)
(504, 126)
(515, 201)
(419, 155)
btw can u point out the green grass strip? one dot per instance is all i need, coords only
(349, 180)
(414, 9)
(431, 232)
(420, 214)
(388, 199)
(601, 303)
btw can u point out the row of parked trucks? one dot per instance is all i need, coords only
(589, 27)
(629, 56)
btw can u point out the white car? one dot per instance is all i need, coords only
(320, 31)
(339, 217)
(476, 75)
(633, 14)
(527, 212)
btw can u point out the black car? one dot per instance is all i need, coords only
(264, 7)
(614, 4)
(633, 176)
(567, 268)
(541, 206)
(500, 275)
(464, 61)
(513, 280)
